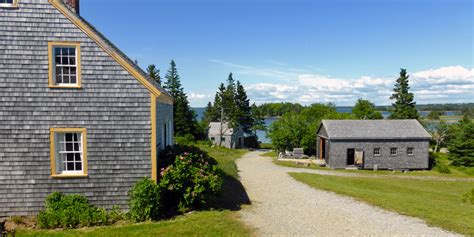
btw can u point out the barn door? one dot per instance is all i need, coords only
(359, 157)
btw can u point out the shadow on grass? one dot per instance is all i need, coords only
(232, 197)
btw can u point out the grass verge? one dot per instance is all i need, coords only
(272, 154)
(439, 203)
(225, 157)
(204, 223)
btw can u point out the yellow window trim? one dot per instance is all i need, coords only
(14, 5)
(52, 151)
(127, 66)
(51, 80)
(154, 168)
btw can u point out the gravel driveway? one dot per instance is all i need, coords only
(282, 206)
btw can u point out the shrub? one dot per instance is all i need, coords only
(468, 197)
(442, 169)
(144, 202)
(190, 180)
(69, 211)
(115, 214)
(187, 139)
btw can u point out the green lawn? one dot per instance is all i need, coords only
(439, 203)
(204, 223)
(225, 157)
(272, 154)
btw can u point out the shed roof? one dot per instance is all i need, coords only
(215, 129)
(374, 129)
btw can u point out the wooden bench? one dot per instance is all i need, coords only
(298, 153)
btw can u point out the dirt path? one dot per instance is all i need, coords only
(282, 206)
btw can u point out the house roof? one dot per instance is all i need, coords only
(114, 52)
(215, 129)
(374, 129)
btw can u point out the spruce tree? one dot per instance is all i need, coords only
(184, 117)
(154, 73)
(244, 115)
(404, 106)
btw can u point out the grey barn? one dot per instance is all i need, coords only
(231, 137)
(76, 114)
(368, 144)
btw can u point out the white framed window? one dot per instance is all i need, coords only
(68, 152)
(393, 151)
(410, 151)
(8, 3)
(377, 151)
(65, 67)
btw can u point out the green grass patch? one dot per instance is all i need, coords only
(225, 157)
(272, 154)
(266, 146)
(205, 223)
(439, 203)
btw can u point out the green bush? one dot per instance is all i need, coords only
(190, 180)
(442, 169)
(144, 202)
(70, 211)
(115, 214)
(187, 139)
(468, 197)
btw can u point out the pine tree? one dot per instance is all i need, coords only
(243, 113)
(154, 73)
(229, 106)
(184, 117)
(404, 106)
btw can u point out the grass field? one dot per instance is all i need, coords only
(218, 222)
(439, 203)
(205, 223)
(272, 154)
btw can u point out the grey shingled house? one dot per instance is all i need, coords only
(231, 137)
(385, 144)
(76, 115)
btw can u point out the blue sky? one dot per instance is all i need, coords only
(300, 51)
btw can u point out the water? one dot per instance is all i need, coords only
(262, 135)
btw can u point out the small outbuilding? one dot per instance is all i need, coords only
(224, 135)
(369, 144)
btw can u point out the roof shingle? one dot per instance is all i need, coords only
(375, 129)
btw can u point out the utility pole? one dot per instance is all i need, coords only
(222, 118)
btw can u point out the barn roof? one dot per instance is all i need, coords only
(215, 129)
(374, 129)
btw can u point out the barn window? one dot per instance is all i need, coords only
(68, 152)
(223, 139)
(410, 151)
(377, 151)
(8, 3)
(64, 68)
(393, 151)
(213, 138)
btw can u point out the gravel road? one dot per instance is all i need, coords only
(281, 206)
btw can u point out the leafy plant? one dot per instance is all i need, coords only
(144, 201)
(442, 169)
(69, 211)
(190, 180)
(116, 214)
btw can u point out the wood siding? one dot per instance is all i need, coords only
(112, 105)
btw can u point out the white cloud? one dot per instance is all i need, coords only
(443, 85)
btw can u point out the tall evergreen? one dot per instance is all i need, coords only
(154, 73)
(184, 117)
(404, 106)
(244, 114)
(229, 105)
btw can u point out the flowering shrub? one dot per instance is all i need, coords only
(190, 180)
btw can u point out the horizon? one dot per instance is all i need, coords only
(309, 52)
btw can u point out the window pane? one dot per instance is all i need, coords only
(70, 157)
(70, 166)
(69, 147)
(68, 137)
(78, 166)
(76, 146)
(72, 61)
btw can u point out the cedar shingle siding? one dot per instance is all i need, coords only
(365, 135)
(112, 105)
